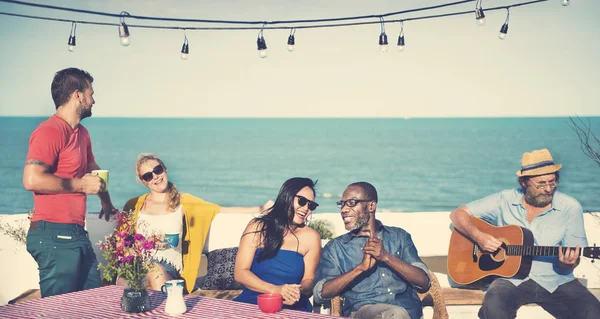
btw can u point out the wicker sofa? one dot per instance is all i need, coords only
(223, 277)
(433, 298)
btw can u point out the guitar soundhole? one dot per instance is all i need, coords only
(487, 262)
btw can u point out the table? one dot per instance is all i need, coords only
(104, 302)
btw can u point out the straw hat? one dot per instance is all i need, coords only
(538, 162)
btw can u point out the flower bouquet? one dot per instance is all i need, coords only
(128, 257)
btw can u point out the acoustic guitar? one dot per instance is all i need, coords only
(469, 265)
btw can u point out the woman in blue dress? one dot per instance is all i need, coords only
(278, 253)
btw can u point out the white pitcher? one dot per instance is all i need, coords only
(175, 304)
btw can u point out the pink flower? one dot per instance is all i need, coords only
(147, 245)
(127, 254)
(126, 259)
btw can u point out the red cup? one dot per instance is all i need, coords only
(270, 303)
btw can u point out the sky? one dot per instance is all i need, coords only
(548, 65)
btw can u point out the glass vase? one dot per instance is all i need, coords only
(134, 299)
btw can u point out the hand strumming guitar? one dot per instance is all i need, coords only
(487, 242)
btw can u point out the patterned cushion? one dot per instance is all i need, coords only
(220, 270)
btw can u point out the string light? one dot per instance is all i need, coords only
(291, 40)
(479, 15)
(504, 28)
(71, 42)
(401, 44)
(261, 44)
(383, 42)
(124, 30)
(124, 34)
(185, 49)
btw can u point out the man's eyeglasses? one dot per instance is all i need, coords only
(543, 185)
(351, 202)
(303, 201)
(157, 170)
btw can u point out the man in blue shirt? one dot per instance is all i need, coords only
(375, 267)
(555, 219)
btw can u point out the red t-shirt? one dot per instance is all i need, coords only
(67, 151)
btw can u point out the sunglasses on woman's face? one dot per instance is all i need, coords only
(303, 201)
(157, 170)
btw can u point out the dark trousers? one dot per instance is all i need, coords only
(65, 257)
(570, 300)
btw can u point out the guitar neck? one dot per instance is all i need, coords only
(520, 250)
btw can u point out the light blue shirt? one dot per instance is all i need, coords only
(378, 285)
(560, 225)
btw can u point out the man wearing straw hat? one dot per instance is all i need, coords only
(555, 219)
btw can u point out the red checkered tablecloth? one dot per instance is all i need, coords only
(104, 302)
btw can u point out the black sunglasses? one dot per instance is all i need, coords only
(157, 170)
(303, 201)
(351, 202)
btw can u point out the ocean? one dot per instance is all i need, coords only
(417, 164)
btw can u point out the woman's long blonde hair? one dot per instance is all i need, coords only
(174, 195)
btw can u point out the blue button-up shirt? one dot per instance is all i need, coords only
(560, 225)
(380, 284)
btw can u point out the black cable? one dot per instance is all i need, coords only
(106, 14)
(264, 27)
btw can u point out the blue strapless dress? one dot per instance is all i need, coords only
(287, 267)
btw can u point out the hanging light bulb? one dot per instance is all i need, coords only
(124, 34)
(185, 49)
(261, 45)
(383, 41)
(479, 15)
(504, 28)
(291, 40)
(401, 44)
(503, 31)
(71, 42)
(565, 2)
(124, 30)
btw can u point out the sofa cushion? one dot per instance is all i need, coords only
(219, 274)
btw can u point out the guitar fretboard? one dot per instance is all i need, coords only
(518, 250)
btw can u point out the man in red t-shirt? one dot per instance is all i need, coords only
(57, 171)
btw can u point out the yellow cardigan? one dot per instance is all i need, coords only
(199, 214)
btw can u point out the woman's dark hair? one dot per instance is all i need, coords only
(274, 224)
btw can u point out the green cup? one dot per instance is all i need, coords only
(103, 174)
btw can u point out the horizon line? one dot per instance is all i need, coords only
(315, 117)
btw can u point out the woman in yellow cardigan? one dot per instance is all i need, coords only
(183, 220)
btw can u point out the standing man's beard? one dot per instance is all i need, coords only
(539, 200)
(83, 112)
